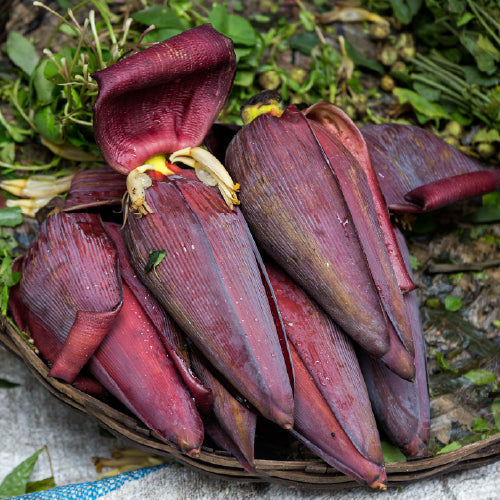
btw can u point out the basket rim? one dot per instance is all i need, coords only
(312, 473)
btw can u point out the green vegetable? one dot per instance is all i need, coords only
(452, 303)
(6, 384)
(392, 453)
(15, 483)
(455, 445)
(22, 52)
(480, 377)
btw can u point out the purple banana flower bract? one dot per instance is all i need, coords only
(329, 357)
(210, 283)
(401, 407)
(164, 98)
(418, 171)
(71, 286)
(303, 195)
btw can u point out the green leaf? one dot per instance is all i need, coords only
(360, 60)
(455, 445)
(392, 453)
(426, 108)
(492, 198)
(464, 19)
(15, 482)
(161, 34)
(484, 215)
(475, 77)
(235, 27)
(6, 384)
(8, 152)
(307, 20)
(11, 217)
(47, 124)
(427, 92)
(155, 257)
(41, 485)
(480, 425)
(480, 376)
(442, 363)
(405, 10)
(486, 55)
(304, 42)
(452, 303)
(43, 86)
(244, 78)
(22, 52)
(433, 302)
(161, 17)
(487, 135)
(64, 4)
(456, 6)
(495, 409)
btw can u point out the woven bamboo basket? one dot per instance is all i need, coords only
(311, 473)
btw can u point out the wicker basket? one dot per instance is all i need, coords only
(312, 474)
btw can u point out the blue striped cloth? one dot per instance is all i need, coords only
(92, 489)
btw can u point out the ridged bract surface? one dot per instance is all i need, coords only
(133, 365)
(297, 212)
(164, 98)
(323, 433)
(330, 358)
(210, 283)
(418, 171)
(168, 332)
(401, 407)
(344, 129)
(229, 423)
(95, 188)
(71, 285)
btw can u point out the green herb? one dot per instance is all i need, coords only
(154, 259)
(452, 303)
(442, 363)
(480, 377)
(495, 410)
(392, 453)
(41, 485)
(6, 384)
(455, 445)
(15, 483)
(457, 65)
(414, 263)
(10, 217)
(480, 425)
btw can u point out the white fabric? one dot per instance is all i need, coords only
(31, 418)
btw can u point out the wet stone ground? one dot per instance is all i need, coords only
(465, 339)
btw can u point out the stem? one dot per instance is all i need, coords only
(481, 17)
(97, 42)
(78, 49)
(75, 120)
(104, 11)
(30, 168)
(454, 268)
(19, 108)
(449, 78)
(432, 83)
(53, 12)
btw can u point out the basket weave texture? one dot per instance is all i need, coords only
(311, 474)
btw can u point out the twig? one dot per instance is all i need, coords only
(456, 268)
